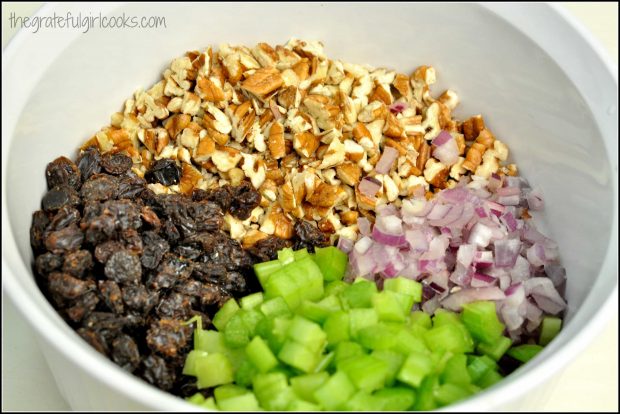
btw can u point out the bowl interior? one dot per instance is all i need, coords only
(526, 98)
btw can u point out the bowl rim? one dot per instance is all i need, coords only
(80, 354)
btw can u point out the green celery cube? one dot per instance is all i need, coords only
(415, 368)
(365, 372)
(307, 333)
(335, 392)
(245, 402)
(251, 319)
(307, 275)
(301, 405)
(359, 294)
(524, 352)
(379, 336)
(335, 287)
(347, 349)
(449, 337)
(286, 256)
(404, 286)
(245, 373)
(197, 399)
(236, 333)
(264, 270)
(214, 369)
(363, 401)
(481, 321)
(251, 301)
(332, 262)
(272, 391)
(260, 355)
(209, 404)
(496, 349)
(393, 361)
(395, 399)
(331, 303)
(549, 329)
(189, 368)
(336, 327)
(455, 371)
(389, 306)
(305, 385)
(281, 284)
(361, 318)
(275, 307)
(479, 365)
(420, 318)
(406, 342)
(489, 378)
(298, 356)
(313, 311)
(224, 392)
(226, 312)
(324, 362)
(300, 254)
(210, 341)
(449, 393)
(425, 399)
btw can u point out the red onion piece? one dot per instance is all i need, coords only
(387, 160)
(363, 224)
(345, 244)
(495, 182)
(509, 220)
(446, 149)
(511, 200)
(508, 191)
(398, 107)
(388, 230)
(456, 300)
(506, 252)
(480, 235)
(535, 200)
(362, 245)
(536, 255)
(369, 186)
(481, 213)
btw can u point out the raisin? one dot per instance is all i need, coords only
(154, 249)
(63, 218)
(170, 231)
(40, 221)
(175, 305)
(123, 267)
(267, 248)
(104, 250)
(156, 371)
(138, 298)
(59, 197)
(125, 212)
(190, 288)
(222, 196)
(130, 186)
(62, 172)
(94, 339)
(47, 263)
(208, 216)
(221, 249)
(233, 282)
(125, 352)
(208, 271)
(89, 162)
(133, 241)
(212, 294)
(99, 187)
(309, 236)
(150, 217)
(77, 263)
(64, 240)
(67, 286)
(116, 164)
(83, 306)
(245, 199)
(171, 270)
(168, 337)
(164, 171)
(112, 296)
(188, 250)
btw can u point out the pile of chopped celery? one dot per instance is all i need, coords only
(312, 342)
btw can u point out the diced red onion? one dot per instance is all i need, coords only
(362, 245)
(439, 211)
(398, 107)
(465, 254)
(480, 235)
(482, 280)
(461, 275)
(536, 255)
(506, 252)
(511, 200)
(535, 200)
(388, 230)
(521, 270)
(455, 212)
(545, 294)
(446, 148)
(509, 220)
(481, 213)
(345, 244)
(495, 182)
(363, 224)
(556, 273)
(508, 191)
(456, 300)
(369, 186)
(384, 165)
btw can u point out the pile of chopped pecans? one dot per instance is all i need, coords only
(303, 129)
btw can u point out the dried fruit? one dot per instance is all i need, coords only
(164, 171)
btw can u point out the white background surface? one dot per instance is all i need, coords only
(590, 383)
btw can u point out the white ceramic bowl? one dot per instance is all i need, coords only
(542, 83)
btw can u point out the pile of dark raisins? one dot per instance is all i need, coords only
(125, 267)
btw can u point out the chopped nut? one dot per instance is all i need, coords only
(349, 173)
(251, 237)
(254, 169)
(177, 123)
(263, 81)
(353, 151)
(449, 98)
(189, 178)
(392, 127)
(436, 173)
(226, 158)
(324, 195)
(473, 156)
(472, 127)
(204, 150)
(457, 169)
(305, 143)
(485, 138)
(372, 111)
(335, 154)
(349, 217)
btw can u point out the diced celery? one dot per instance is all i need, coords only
(420, 318)
(210, 341)
(236, 333)
(347, 349)
(209, 404)
(389, 305)
(481, 321)
(189, 368)
(264, 270)
(324, 362)
(404, 286)
(298, 356)
(415, 368)
(490, 378)
(332, 262)
(425, 399)
(236, 356)
(440, 357)
(395, 399)
(223, 315)
(275, 307)
(335, 287)
(286, 256)
(359, 295)
(260, 355)
(277, 333)
(308, 277)
(393, 360)
(305, 385)
(197, 398)
(307, 333)
(480, 365)
(361, 318)
(251, 318)
(362, 401)
(300, 254)
(407, 342)
(214, 369)
(365, 372)
(313, 311)
(245, 402)
(524, 352)
(336, 327)
(301, 405)
(444, 316)
(455, 371)
(245, 373)
(331, 303)
(272, 391)
(224, 392)
(496, 349)
(335, 392)
(281, 284)
(449, 337)
(252, 300)
(379, 336)
(448, 393)
(551, 326)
